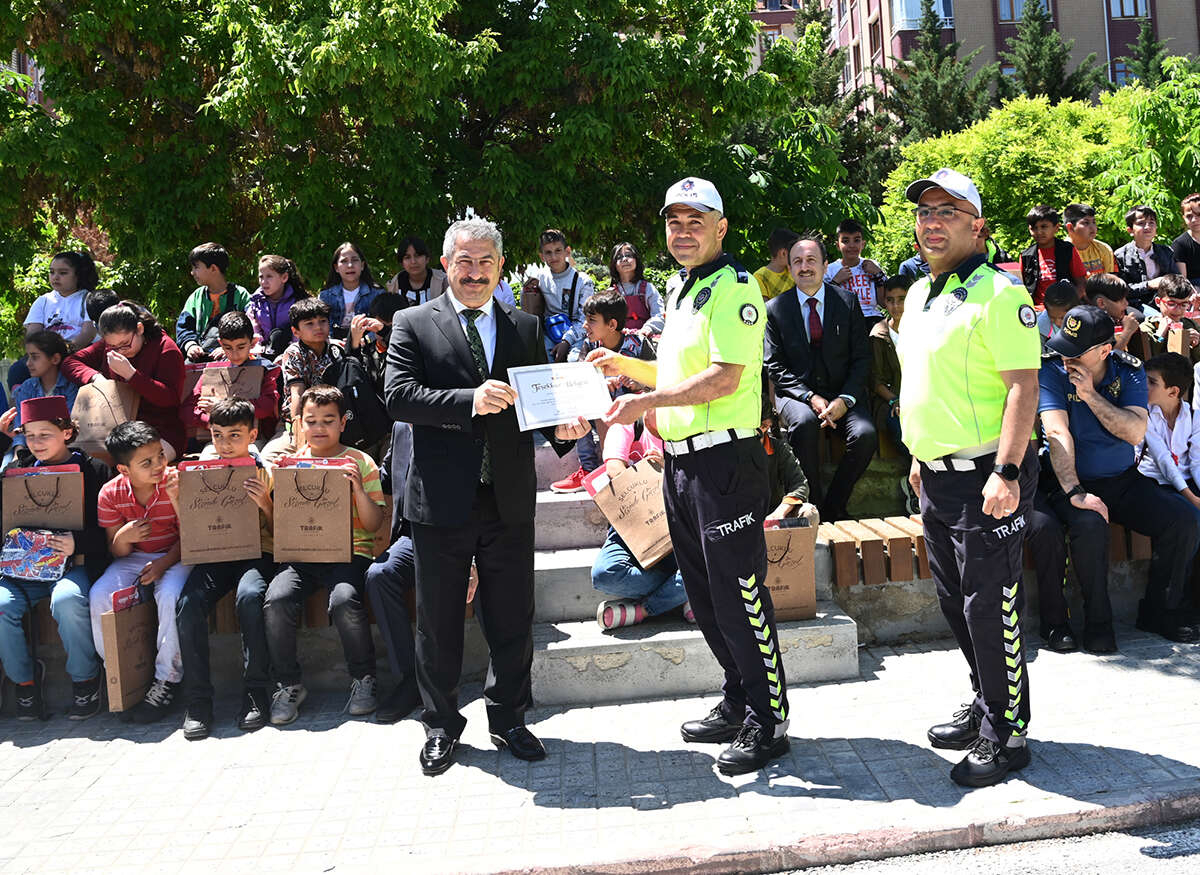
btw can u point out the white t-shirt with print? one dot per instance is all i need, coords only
(349, 298)
(62, 315)
(860, 284)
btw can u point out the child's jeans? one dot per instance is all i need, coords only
(168, 666)
(615, 572)
(69, 607)
(589, 451)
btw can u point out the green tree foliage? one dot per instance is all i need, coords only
(1165, 166)
(933, 91)
(289, 127)
(1040, 56)
(1027, 152)
(1145, 63)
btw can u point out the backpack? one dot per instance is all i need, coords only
(368, 421)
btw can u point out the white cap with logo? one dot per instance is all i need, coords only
(693, 192)
(952, 182)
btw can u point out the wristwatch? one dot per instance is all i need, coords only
(1077, 489)
(1008, 472)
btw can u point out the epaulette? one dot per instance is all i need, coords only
(1131, 360)
(743, 277)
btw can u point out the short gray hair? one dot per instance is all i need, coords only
(473, 229)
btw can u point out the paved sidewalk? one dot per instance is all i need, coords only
(1114, 746)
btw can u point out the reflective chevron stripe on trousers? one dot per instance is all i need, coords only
(716, 501)
(976, 562)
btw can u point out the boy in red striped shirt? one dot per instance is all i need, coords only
(143, 537)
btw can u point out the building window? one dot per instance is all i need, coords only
(876, 40)
(1128, 8)
(768, 36)
(1010, 11)
(841, 10)
(856, 58)
(1121, 73)
(906, 14)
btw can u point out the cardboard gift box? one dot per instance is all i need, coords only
(218, 520)
(50, 497)
(130, 633)
(313, 516)
(791, 570)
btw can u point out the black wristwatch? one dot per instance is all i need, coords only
(1077, 489)
(1008, 472)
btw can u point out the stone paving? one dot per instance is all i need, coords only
(1114, 744)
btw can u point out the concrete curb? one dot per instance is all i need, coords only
(1122, 810)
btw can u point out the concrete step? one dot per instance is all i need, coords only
(566, 522)
(563, 583)
(575, 663)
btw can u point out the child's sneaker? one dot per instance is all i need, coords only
(573, 483)
(85, 699)
(618, 613)
(156, 704)
(687, 612)
(29, 702)
(362, 696)
(285, 705)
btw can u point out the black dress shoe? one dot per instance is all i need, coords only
(255, 710)
(438, 754)
(521, 743)
(1173, 627)
(1060, 638)
(989, 763)
(197, 722)
(399, 703)
(753, 748)
(960, 733)
(716, 728)
(1099, 639)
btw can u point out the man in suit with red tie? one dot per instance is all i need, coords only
(818, 357)
(470, 493)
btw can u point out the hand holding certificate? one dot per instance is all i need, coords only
(555, 394)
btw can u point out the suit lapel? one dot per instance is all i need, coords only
(448, 322)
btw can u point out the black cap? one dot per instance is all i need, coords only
(1083, 327)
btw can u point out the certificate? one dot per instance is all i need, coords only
(558, 393)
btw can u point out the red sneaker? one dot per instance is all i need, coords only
(573, 483)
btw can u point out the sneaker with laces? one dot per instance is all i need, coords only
(285, 704)
(572, 483)
(752, 749)
(85, 699)
(362, 696)
(989, 763)
(156, 703)
(961, 732)
(29, 702)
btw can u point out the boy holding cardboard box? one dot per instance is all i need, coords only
(322, 410)
(143, 538)
(233, 433)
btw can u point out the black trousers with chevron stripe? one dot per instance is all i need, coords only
(716, 501)
(976, 562)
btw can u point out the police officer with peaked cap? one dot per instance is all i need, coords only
(970, 352)
(708, 395)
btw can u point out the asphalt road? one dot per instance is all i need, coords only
(1160, 851)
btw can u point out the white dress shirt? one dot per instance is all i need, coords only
(485, 324)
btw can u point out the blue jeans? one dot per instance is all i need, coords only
(589, 451)
(69, 607)
(615, 572)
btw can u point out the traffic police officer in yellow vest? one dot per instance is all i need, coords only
(970, 352)
(708, 395)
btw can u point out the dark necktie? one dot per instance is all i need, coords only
(476, 344)
(815, 332)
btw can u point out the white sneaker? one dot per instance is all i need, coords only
(285, 704)
(362, 696)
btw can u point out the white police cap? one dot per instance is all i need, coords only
(693, 192)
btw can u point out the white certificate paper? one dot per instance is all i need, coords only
(554, 394)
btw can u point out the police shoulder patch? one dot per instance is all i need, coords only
(1126, 358)
(1027, 316)
(749, 314)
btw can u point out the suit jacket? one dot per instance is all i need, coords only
(430, 381)
(844, 359)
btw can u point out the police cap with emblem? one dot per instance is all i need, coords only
(1083, 327)
(693, 192)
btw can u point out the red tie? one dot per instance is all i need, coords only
(815, 332)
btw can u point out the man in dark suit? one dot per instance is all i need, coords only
(818, 357)
(471, 488)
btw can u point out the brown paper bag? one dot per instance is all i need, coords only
(791, 574)
(43, 500)
(100, 407)
(130, 647)
(1177, 339)
(312, 514)
(223, 381)
(218, 521)
(533, 301)
(633, 504)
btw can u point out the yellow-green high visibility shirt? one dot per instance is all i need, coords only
(957, 335)
(718, 315)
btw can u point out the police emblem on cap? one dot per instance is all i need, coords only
(1027, 316)
(701, 299)
(1071, 326)
(749, 314)
(688, 184)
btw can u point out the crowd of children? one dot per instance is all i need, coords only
(298, 347)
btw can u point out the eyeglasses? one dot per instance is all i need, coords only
(123, 348)
(944, 213)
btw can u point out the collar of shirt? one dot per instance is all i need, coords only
(696, 274)
(818, 296)
(963, 272)
(459, 306)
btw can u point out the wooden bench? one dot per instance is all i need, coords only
(891, 549)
